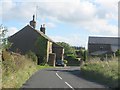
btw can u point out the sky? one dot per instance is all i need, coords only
(70, 21)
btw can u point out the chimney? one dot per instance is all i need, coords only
(33, 22)
(42, 28)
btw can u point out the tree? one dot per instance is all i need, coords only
(68, 50)
(4, 43)
(82, 54)
(3, 40)
(117, 53)
(3, 31)
(85, 55)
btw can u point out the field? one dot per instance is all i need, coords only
(104, 72)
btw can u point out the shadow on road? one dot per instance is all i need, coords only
(77, 73)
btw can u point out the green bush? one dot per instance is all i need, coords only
(85, 55)
(70, 57)
(32, 56)
(65, 61)
(67, 48)
(41, 45)
(117, 52)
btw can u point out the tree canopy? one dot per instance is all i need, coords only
(67, 48)
(117, 52)
(4, 43)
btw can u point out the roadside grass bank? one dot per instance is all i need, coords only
(17, 69)
(0, 72)
(39, 67)
(103, 72)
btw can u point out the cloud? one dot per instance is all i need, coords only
(50, 25)
(17, 10)
(100, 26)
(91, 15)
(107, 8)
(68, 11)
(62, 10)
(11, 31)
(74, 40)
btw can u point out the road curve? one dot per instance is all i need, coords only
(60, 77)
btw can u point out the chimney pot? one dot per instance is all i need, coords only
(33, 22)
(42, 28)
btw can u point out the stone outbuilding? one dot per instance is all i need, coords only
(103, 45)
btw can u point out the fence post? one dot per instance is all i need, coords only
(106, 57)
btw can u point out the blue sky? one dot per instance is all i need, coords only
(71, 21)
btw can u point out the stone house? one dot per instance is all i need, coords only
(103, 45)
(30, 39)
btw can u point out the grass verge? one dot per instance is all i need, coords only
(39, 67)
(104, 72)
(17, 69)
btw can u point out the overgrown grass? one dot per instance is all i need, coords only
(16, 69)
(0, 72)
(104, 72)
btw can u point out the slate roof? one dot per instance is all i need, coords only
(42, 34)
(105, 40)
(39, 32)
(28, 27)
(45, 36)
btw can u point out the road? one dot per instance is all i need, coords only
(60, 77)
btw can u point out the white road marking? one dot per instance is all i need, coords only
(69, 85)
(58, 76)
(65, 82)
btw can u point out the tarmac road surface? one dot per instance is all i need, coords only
(59, 77)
